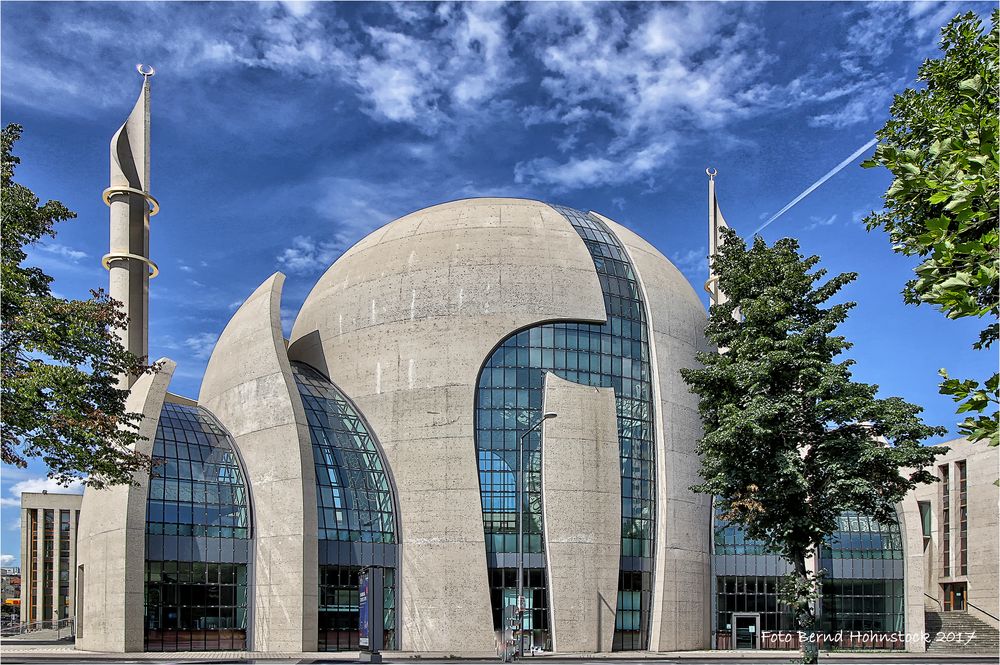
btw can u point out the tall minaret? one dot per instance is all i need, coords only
(715, 225)
(131, 207)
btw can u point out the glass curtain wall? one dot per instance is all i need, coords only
(197, 537)
(355, 511)
(748, 581)
(863, 585)
(509, 402)
(862, 592)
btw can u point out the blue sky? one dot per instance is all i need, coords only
(284, 132)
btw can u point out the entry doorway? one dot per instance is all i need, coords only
(954, 597)
(746, 631)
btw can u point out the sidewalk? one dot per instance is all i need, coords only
(63, 652)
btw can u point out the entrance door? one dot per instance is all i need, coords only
(746, 631)
(954, 597)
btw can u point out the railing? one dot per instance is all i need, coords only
(934, 599)
(977, 607)
(62, 627)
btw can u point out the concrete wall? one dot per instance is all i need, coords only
(983, 574)
(681, 617)
(402, 322)
(111, 548)
(249, 387)
(581, 502)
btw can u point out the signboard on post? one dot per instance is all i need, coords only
(371, 619)
(363, 588)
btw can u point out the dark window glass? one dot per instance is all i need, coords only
(338, 608)
(197, 491)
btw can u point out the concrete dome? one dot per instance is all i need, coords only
(404, 321)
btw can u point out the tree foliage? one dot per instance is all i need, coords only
(791, 441)
(60, 358)
(940, 145)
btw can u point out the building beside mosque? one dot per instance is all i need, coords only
(48, 556)
(482, 400)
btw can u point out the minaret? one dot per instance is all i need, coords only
(715, 225)
(131, 206)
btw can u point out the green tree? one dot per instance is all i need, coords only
(941, 147)
(791, 441)
(60, 358)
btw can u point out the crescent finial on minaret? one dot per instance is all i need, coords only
(711, 173)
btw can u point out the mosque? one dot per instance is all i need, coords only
(479, 414)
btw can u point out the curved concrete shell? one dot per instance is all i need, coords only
(404, 321)
(581, 498)
(249, 387)
(112, 539)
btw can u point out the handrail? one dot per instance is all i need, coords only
(35, 626)
(934, 599)
(982, 610)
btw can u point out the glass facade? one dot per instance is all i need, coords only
(862, 588)
(355, 511)
(860, 537)
(509, 401)
(197, 526)
(865, 600)
(338, 600)
(503, 595)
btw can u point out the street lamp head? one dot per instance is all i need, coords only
(549, 414)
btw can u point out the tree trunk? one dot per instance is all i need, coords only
(805, 616)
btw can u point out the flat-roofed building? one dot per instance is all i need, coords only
(48, 555)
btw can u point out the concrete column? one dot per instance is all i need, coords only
(40, 564)
(911, 531)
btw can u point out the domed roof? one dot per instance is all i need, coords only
(483, 256)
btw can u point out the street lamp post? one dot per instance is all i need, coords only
(520, 529)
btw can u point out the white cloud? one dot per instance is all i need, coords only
(578, 172)
(62, 251)
(39, 485)
(201, 345)
(7, 559)
(308, 256)
(429, 76)
(816, 222)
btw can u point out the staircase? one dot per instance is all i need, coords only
(960, 625)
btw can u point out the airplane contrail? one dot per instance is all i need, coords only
(809, 190)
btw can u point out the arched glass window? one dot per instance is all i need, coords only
(355, 510)
(509, 401)
(197, 536)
